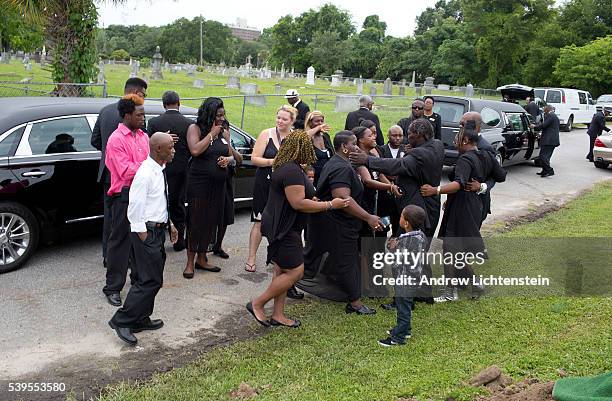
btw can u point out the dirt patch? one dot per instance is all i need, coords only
(503, 388)
(86, 375)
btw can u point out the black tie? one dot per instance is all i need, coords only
(167, 201)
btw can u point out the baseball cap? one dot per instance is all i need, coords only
(291, 93)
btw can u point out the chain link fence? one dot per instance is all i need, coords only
(28, 88)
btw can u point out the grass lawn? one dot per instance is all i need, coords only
(257, 118)
(334, 356)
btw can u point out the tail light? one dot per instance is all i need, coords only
(599, 143)
(563, 98)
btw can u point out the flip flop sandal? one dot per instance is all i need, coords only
(250, 268)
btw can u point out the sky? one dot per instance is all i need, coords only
(399, 15)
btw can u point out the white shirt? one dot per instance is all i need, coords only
(147, 196)
(394, 152)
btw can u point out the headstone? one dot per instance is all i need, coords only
(233, 83)
(26, 59)
(402, 91)
(198, 83)
(360, 86)
(6, 57)
(310, 76)
(346, 103)
(101, 77)
(278, 89)
(413, 82)
(166, 65)
(372, 91)
(388, 87)
(190, 70)
(282, 71)
(469, 90)
(292, 74)
(339, 72)
(37, 57)
(369, 81)
(156, 72)
(443, 87)
(135, 68)
(418, 90)
(335, 80)
(28, 67)
(250, 90)
(173, 70)
(429, 84)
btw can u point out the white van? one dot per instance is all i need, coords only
(571, 105)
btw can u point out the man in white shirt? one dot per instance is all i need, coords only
(148, 216)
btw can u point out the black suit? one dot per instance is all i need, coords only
(106, 124)
(176, 171)
(549, 140)
(303, 111)
(596, 128)
(352, 121)
(485, 197)
(532, 109)
(388, 205)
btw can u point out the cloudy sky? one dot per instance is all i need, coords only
(399, 15)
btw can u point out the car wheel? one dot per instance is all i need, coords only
(600, 164)
(570, 124)
(499, 158)
(19, 235)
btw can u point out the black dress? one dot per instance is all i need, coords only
(262, 180)
(462, 218)
(281, 224)
(206, 196)
(331, 259)
(322, 156)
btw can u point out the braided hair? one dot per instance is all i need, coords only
(297, 147)
(207, 113)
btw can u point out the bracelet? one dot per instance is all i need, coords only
(329, 205)
(439, 187)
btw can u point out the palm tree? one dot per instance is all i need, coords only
(69, 27)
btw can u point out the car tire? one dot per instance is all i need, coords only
(600, 164)
(499, 158)
(570, 124)
(19, 235)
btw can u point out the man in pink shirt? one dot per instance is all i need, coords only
(126, 149)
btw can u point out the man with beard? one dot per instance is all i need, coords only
(418, 107)
(421, 165)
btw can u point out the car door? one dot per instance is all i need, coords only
(57, 168)
(244, 177)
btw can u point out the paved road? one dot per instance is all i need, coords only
(53, 310)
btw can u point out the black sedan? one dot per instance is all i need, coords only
(505, 126)
(48, 170)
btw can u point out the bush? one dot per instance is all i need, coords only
(120, 54)
(200, 69)
(145, 62)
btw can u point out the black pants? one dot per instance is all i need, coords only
(591, 146)
(177, 178)
(546, 152)
(149, 260)
(119, 246)
(106, 228)
(216, 246)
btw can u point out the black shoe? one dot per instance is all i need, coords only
(221, 253)
(549, 174)
(114, 299)
(426, 300)
(213, 269)
(388, 342)
(295, 325)
(363, 310)
(294, 294)
(148, 325)
(390, 306)
(407, 336)
(124, 333)
(180, 245)
(249, 307)
(540, 173)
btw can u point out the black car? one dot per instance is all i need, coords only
(48, 170)
(505, 126)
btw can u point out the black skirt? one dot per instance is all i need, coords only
(287, 253)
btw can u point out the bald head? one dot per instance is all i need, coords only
(161, 146)
(471, 116)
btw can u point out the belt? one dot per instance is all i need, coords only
(152, 224)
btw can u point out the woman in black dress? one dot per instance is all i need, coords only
(318, 130)
(208, 141)
(333, 237)
(282, 222)
(460, 228)
(264, 152)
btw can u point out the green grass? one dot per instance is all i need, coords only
(335, 356)
(257, 118)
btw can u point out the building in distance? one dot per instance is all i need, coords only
(243, 31)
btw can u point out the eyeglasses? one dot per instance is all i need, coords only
(417, 108)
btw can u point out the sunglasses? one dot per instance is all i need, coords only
(417, 108)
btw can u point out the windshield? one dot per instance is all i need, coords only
(604, 98)
(450, 112)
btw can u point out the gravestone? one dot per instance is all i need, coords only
(429, 84)
(198, 83)
(335, 80)
(469, 90)
(157, 65)
(443, 87)
(233, 83)
(166, 65)
(283, 73)
(369, 81)
(292, 73)
(388, 87)
(6, 57)
(278, 89)
(173, 70)
(26, 59)
(346, 103)
(135, 68)
(101, 77)
(250, 90)
(310, 76)
(37, 57)
(413, 82)
(28, 67)
(191, 70)
(402, 91)
(360, 86)
(372, 91)
(130, 63)
(418, 90)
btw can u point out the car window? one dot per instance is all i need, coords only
(490, 117)
(553, 96)
(516, 122)
(539, 93)
(238, 140)
(10, 142)
(449, 112)
(582, 97)
(604, 98)
(60, 136)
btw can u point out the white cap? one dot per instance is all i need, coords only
(291, 93)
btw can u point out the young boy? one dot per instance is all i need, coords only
(413, 242)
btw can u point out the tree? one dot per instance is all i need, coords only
(433, 16)
(586, 20)
(120, 54)
(586, 67)
(328, 51)
(15, 33)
